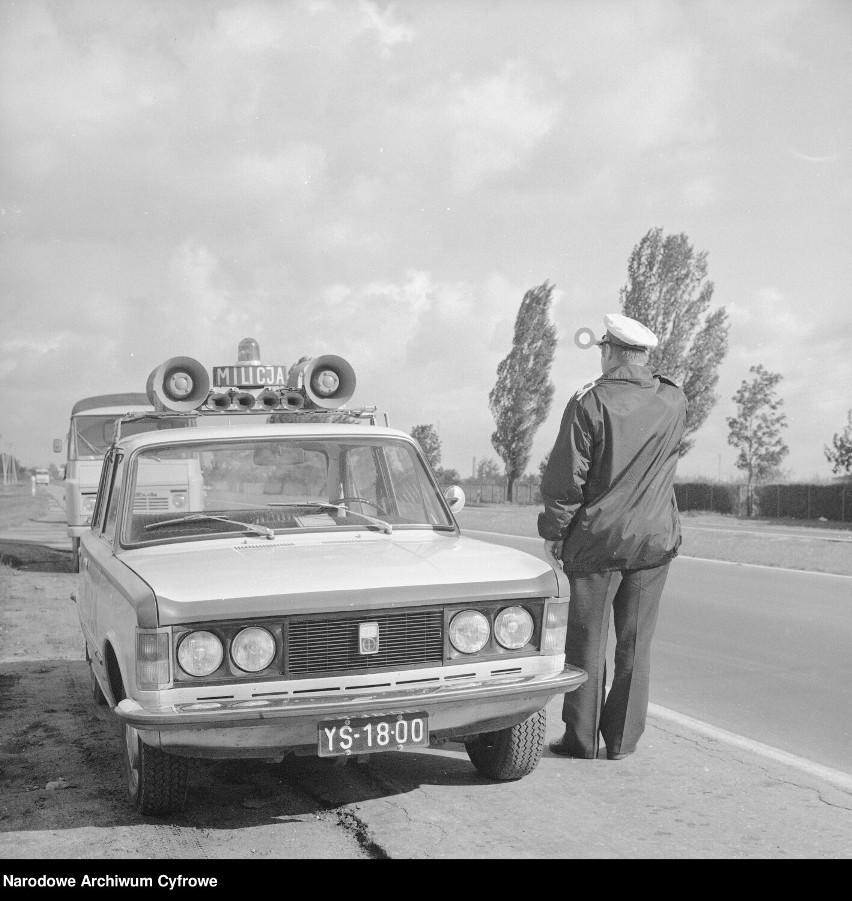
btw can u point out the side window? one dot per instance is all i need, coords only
(112, 503)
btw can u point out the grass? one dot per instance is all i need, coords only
(788, 551)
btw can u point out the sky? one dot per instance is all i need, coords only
(385, 181)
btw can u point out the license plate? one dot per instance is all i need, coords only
(368, 734)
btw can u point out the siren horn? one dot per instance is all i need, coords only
(218, 401)
(268, 399)
(180, 384)
(328, 381)
(292, 399)
(244, 400)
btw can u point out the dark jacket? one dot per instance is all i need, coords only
(608, 488)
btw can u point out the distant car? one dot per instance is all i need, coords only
(42, 477)
(312, 594)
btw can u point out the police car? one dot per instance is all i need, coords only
(301, 586)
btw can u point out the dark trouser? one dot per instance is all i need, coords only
(620, 715)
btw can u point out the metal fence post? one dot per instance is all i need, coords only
(809, 503)
(778, 502)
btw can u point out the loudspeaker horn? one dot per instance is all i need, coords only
(180, 384)
(328, 381)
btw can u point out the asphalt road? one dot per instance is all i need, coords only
(755, 650)
(762, 652)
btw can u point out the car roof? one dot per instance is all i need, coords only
(233, 431)
(107, 403)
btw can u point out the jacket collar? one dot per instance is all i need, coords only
(630, 372)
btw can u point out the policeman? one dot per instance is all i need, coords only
(610, 516)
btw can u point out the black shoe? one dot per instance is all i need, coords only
(562, 749)
(619, 756)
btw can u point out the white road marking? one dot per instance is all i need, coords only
(765, 533)
(836, 777)
(777, 569)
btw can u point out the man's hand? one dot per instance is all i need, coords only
(554, 549)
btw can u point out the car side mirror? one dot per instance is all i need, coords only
(454, 496)
(57, 445)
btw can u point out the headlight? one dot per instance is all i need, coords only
(469, 631)
(253, 649)
(513, 627)
(88, 503)
(178, 500)
(200, 653)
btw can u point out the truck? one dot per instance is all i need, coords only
(90, 433)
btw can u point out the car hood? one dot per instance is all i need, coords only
(312, 573)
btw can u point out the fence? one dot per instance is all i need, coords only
(785, 501)
(495, 493)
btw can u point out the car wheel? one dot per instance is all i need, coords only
(509, 753)
(156, 781)
(75, 555)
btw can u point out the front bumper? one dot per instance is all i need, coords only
(264, 727)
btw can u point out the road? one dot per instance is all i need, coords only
(759, 651)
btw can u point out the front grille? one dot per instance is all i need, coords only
(150, 503)
(406, 639)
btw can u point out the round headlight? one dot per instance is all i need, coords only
(88, 503)
(200, 653)
(253, 649)
(513, 627)
(469, 631)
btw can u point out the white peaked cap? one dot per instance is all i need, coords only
(627, 332)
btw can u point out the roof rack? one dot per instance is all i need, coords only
(273, 417)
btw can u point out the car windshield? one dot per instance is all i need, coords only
(92, 435)
(265, 486)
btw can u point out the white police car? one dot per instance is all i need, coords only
(302, 587)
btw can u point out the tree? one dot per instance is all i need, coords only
(520, 400)
(666, 290)
(840, 456)
(427, 437)
(543, 465)
(487, 470)
(447, 476)
(756, 429)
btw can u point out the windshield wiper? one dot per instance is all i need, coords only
(194, 517)
(384, 526)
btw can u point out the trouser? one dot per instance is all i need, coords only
(619, 716)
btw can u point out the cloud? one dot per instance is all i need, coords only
(382, 22)
(498, 121)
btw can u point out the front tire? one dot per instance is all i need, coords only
(156, 781)
(511, 753)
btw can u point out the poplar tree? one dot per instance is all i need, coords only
(427, 437)
(520, 400)
(756, 429)
(668, 292)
